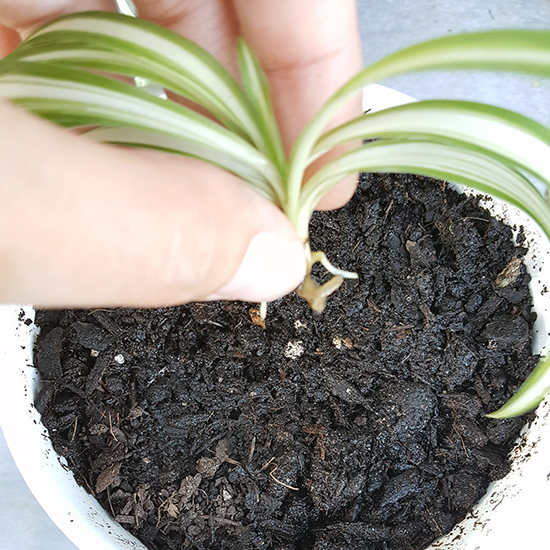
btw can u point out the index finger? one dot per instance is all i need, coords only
(308, 49)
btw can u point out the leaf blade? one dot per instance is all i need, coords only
(141, 48)
(523, 51)
(77, 98)
(257, 88)
(530, 393)
(525, 142)
(510, 50)
(468, 165)
(137, 137)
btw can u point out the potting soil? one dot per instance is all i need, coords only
(362, 427)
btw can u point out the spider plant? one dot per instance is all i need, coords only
(63, 72)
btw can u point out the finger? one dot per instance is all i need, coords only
(209, 23)
(25, 16)
(83, 224)
(308, 48)
(344, 190)
(9, 40)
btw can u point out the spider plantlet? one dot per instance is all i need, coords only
(59, 71)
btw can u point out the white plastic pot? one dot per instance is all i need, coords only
(512, 513)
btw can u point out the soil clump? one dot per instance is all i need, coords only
(362, 427)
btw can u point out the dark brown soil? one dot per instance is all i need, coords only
(361, 428)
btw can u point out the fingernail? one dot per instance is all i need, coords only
(273, 266)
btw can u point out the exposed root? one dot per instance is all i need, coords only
(310, 290)
(263, 311)
(319, 256)
(314, 293)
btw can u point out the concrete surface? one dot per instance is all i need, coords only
(386, 26)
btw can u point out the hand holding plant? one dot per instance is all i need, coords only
(175, 229)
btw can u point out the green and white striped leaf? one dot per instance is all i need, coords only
(75, 98)
(136, 137)
(516, 139)
(508, 50)
(124, 45)
(257, 89)
(530, 394)
(454, 161)
(525, 51)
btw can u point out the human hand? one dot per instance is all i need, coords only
(83, 224)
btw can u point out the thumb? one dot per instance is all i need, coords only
(86, 225)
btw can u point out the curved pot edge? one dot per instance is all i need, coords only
(71, 508)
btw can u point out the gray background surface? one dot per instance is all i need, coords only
(386, 26)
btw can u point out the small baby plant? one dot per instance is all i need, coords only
(61, 73)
